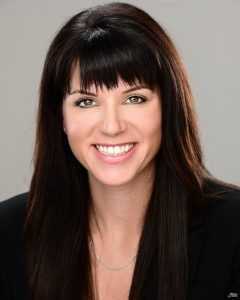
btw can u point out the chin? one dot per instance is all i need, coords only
(112, 181)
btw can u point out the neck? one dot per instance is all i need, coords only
(118, 211)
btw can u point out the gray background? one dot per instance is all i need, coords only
(206, 34)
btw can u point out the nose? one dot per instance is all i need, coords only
(112, 123)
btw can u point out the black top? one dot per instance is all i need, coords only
(214, 250)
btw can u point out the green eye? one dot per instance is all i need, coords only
(137, 98)
(84, 102)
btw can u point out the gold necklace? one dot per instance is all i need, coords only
(112, 268)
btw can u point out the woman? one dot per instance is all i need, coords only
(120, 205)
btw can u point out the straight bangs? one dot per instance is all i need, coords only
(104, 56)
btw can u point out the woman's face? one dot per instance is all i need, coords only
(116, 116)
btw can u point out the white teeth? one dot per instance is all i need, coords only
(114, 150)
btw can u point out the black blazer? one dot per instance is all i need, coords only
(214, 250)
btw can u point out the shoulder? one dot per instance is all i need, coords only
(225, 202)
(14, 203)
(223, 214)
(215, 244)
(12, 214)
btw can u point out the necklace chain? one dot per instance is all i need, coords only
(112, 268)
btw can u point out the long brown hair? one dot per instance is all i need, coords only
(108, 41)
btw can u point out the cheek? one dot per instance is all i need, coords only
(74, 123)
(154, 131)
(74, 129)
(76, 136)
(153, 122)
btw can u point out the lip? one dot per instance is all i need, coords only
(115, 159)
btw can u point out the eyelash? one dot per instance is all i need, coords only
(81, 100)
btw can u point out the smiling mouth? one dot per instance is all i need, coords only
(116, 150)
(114, 145)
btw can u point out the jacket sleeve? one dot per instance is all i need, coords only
(3, 287)
(233, 291)
(4, 295)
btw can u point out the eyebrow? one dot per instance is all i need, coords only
(138, 87)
